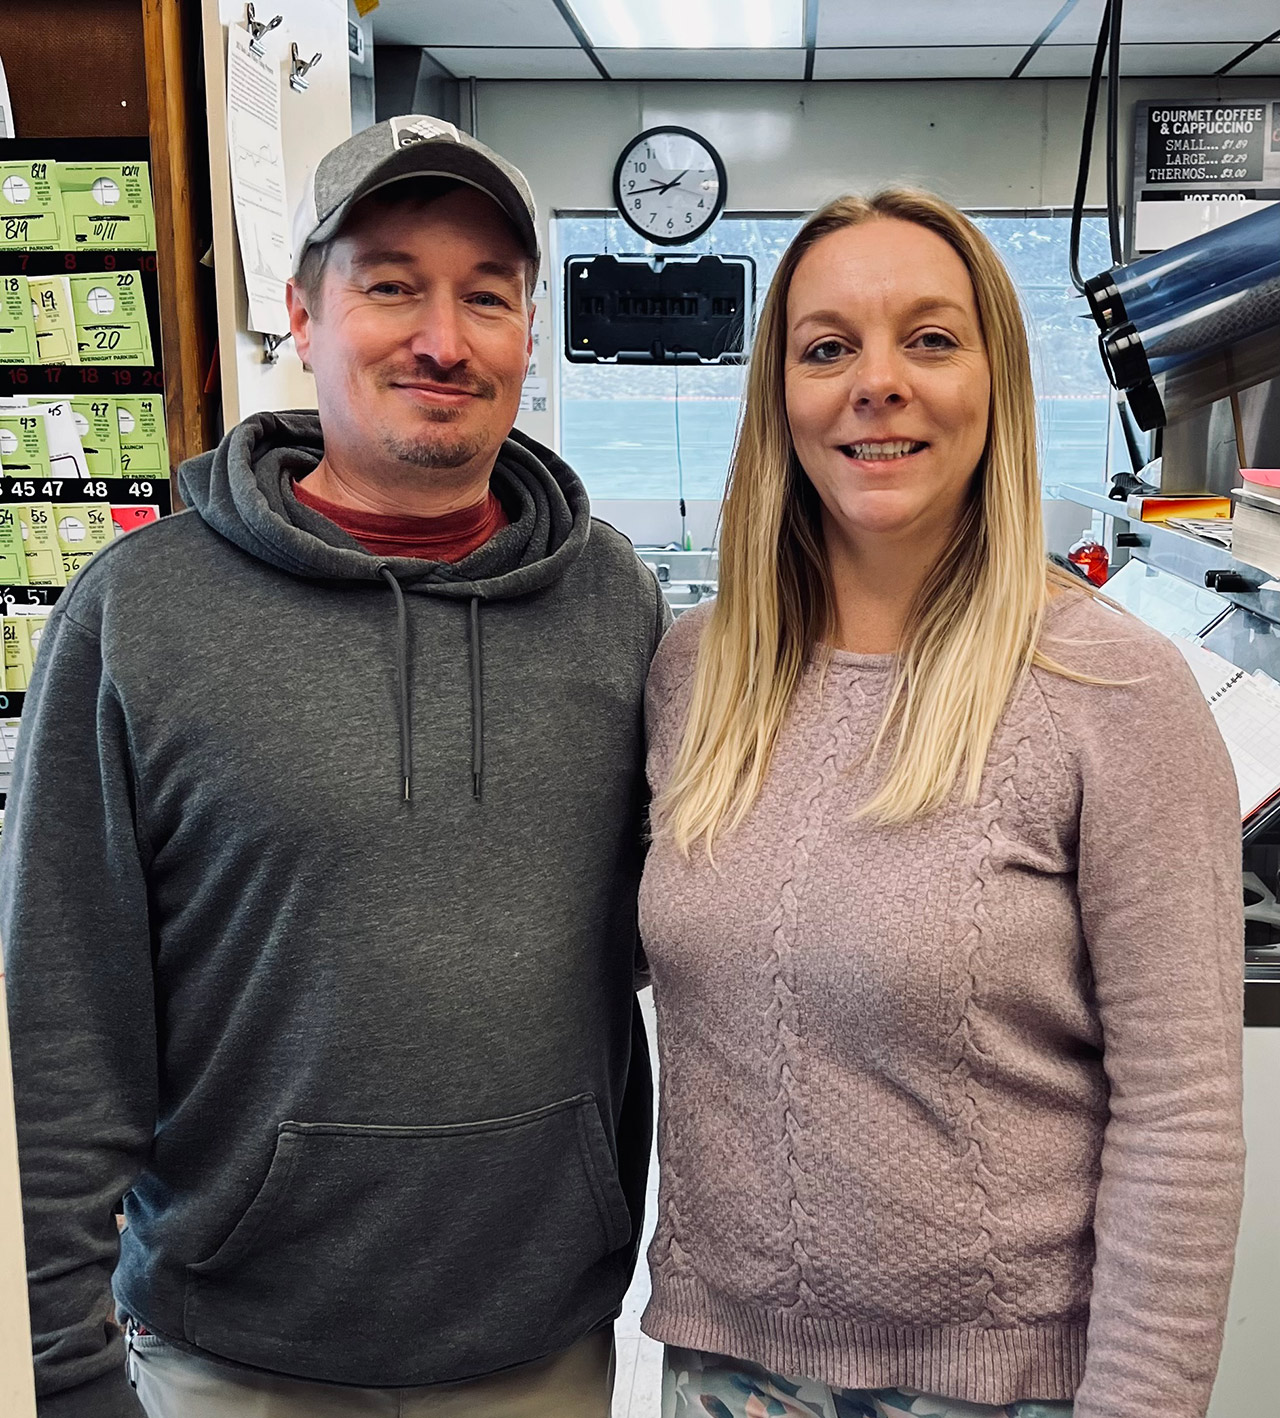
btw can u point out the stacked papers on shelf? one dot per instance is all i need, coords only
(1211, 529)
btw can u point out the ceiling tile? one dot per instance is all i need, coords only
(696, 24)
(977, 62)
(853, 23)
(1062, 61)
(703, 63)
(510, 23)
(468, 63)
(1175, 21)
(1265, 62)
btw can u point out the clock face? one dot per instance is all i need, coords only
(670, 185)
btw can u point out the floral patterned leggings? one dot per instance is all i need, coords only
(697, 1385)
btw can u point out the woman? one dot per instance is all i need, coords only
(943, 906)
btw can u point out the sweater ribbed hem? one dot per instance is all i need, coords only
(976, 1365)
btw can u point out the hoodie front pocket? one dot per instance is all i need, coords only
(387, 1256)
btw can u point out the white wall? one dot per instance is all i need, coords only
(790, 147)
(311, 124)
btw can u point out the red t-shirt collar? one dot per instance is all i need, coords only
(449, 538)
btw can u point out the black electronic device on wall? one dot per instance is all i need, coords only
(658, 310)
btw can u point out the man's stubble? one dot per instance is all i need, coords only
(434, 452)
(442, 452)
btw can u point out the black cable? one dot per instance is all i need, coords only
(684, 538)
(1086, 149)
(1113, 134)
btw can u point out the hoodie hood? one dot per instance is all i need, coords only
(243, 490)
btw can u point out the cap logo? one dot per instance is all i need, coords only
(407, 131)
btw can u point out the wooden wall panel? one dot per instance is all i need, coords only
(75, 67)
(180, 183)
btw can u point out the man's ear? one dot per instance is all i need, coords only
(300, 318)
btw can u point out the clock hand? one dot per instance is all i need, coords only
(675, 181)
(659, 187)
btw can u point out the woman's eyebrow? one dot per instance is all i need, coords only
(926, 305)
(929, 303)
(822, 317)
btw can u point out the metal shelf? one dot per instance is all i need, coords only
(1180, 553)
(1094, 498)
(687, 577)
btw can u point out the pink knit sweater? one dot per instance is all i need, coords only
(955, 1107)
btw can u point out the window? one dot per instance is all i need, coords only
(1073, 400)
(662, 432)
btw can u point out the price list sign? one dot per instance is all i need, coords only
(1217, 143)
(1198, 165)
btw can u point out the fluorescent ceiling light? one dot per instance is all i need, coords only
(692, 24)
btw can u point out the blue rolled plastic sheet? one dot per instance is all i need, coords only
(1234, 312)
(1180, 275)
(1204, 380)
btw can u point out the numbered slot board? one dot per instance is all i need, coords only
(75, 323)
(84, 456)
(79, 302)
(81, 318)
(52, 205)
(50, 526)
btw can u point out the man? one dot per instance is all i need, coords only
(319, 883)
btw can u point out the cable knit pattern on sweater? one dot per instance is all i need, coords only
(783, 1064)
(954, 1106)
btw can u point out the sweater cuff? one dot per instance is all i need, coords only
(111, 1396)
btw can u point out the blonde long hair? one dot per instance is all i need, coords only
(974, 627)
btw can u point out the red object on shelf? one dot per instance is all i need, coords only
(1091, 557)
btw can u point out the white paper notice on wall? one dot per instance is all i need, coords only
(533, 397)
(257, 182)
(6, 108)
(535, 383)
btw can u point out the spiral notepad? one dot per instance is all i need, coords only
(1246, 708)
(1223, 688)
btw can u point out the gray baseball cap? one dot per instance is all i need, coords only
(410, 146)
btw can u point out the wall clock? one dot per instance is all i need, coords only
(670, 185)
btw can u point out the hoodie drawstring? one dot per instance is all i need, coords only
(475, 658)
(402, 669)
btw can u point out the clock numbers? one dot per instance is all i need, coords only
(669, 185)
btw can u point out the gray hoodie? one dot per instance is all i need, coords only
(318, 899)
